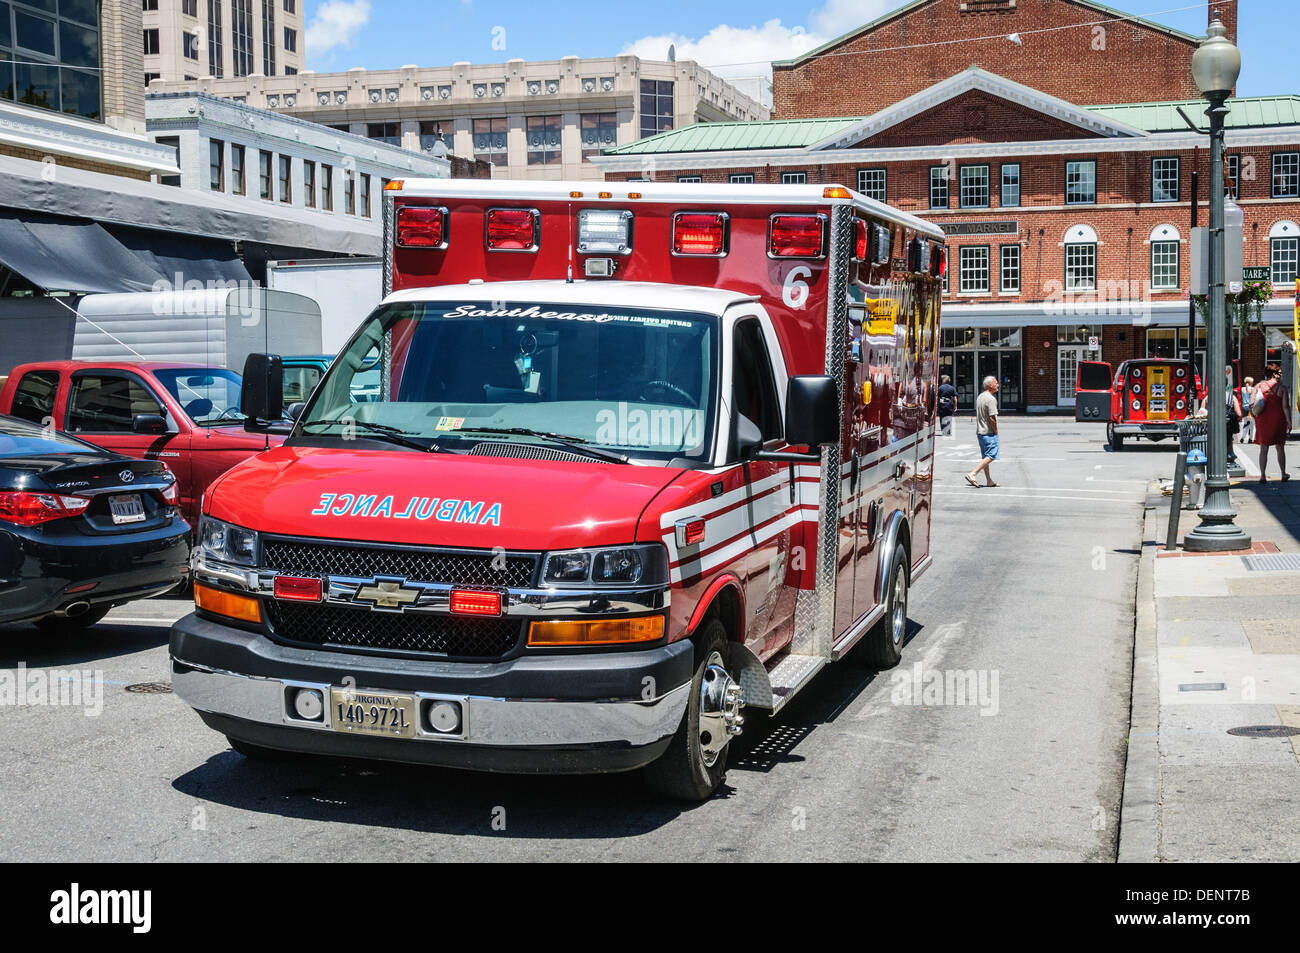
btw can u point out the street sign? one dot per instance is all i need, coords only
(1256, 274)
(1094, 342)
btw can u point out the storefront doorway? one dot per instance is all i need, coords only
(1074, 344)
(968, 355)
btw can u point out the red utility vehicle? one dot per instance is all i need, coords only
(1146, 397)
(185, 416)
(640, 454)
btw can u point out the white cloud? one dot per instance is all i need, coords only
(743, 55)
(336, 24)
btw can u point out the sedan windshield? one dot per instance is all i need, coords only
(604, 384)
(208, 395)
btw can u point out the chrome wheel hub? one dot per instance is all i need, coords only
(720, 704)
(898, 619)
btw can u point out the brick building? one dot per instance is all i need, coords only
(1068, 224)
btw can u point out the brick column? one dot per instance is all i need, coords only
(121, 24)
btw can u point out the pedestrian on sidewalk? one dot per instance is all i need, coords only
(986, 431)
(1271, 407)
(1247, 398)
(947, 405)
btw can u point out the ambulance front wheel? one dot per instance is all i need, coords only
(695, 763)
(882, 647)
(1115, 440)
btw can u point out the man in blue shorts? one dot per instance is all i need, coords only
(986, 431)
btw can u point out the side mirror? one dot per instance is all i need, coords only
(149, 423)
(812, 411)
(261, 398)
(294, 410)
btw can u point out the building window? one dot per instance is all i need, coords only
(973, 269)
(1081, 182)
(308, 184)
(290, 6)
(1164, 265)
(1010, 185)
(175, 143)
(190, 45)
(264, 174)
(599, 132)
(290, 71)
(1010, 255)
(1286, 175)
(543, 137)
(327, 187)
(214, 37)
(190, 8)
(286, 195)
(871, 183)
(656, 106)
(241, 35)
(741, 179)
(216, 165)
(694, 179)
(1283, 256)
(150, 5)
(490, 141)
(1232, 172)
(389, 132)
(1164, 179)
(237, 169)
(151, 43)
(349, 193)
(973, 186)
(268, 37)
(148, 78)
(794, 178)
(365, 195)
(938, 186)
(1081, 266)
(431, 135)
(290, 40)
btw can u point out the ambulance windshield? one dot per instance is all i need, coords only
(454, 375)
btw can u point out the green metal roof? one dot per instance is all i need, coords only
(1108, 12)
(1249, 113)
(730, 136)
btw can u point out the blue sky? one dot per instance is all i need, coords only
(735, 37)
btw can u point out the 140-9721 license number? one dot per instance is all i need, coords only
(373, 713)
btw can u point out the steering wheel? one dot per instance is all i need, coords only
(231, 412)
(686, 399)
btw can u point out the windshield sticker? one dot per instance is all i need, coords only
(416, 507)
(450, 423)
(533, 311)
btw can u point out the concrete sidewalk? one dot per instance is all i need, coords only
(1213, 770)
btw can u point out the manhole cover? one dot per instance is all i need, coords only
(149, 688)
(1265, 731)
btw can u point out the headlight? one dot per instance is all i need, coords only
(227, 543)
(613, 566)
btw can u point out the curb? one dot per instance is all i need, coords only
(1139, 837)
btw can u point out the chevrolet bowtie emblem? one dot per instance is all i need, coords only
(387, 595)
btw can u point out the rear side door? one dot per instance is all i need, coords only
(1092, 390)
(101, 408)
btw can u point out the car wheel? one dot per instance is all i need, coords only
(696, 760)
(1116, 440)
(882, 647)
(66, 625)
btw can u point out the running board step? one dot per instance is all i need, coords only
(789, 675)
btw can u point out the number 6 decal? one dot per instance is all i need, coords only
(794, 291)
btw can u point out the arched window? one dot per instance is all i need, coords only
(1284, 251)
(1165, 257)
(1080, 258)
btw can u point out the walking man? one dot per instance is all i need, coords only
(986, 431)
(947, 405)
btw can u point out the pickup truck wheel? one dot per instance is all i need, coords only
(696, 760)
(1115, 440)
(64, 625)
(882, 647)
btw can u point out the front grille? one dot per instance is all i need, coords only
(414, 633)
(450, 566)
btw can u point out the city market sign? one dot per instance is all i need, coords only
(981, 228)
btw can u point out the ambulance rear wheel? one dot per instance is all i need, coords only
(882, 647)
(1116, 440)
(695, 763)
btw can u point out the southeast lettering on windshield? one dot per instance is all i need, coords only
(533, 311)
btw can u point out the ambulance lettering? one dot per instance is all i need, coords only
(476, 512)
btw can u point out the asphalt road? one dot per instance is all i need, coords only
(1032, 591)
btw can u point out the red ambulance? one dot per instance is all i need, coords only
(641, 455)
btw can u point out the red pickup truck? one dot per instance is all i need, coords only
(187, 417)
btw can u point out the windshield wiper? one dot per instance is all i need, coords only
(392, 434)
(575, 444)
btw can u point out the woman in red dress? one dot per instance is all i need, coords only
(1272, 423)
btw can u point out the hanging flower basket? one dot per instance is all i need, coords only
(1245, 308)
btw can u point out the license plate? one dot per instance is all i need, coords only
(126, 509)
(372, 713)
(1158, 390)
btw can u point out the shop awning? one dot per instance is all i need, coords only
(190, 257)
(59, 254)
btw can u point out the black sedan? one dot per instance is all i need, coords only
(82, 529)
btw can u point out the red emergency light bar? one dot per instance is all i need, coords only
(469, 602)
(797, 236)
(700, 233)
(513, 229)
(422, 227)
(860, 232)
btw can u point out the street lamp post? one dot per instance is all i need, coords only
(1215, 67)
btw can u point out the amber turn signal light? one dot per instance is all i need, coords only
(228, 604)
(646, 628)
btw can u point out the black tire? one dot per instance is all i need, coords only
(682, 772)
(1116, 440)
(882, 647)
(63, 625)
(256, 752)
